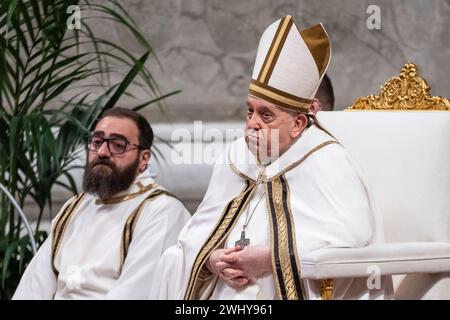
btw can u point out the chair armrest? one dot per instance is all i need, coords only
(385, 259)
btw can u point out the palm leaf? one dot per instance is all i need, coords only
(47, 73)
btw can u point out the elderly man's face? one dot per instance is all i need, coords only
(111, 169)
(270, 130)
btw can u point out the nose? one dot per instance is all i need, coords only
(253, 122)
(103, 152)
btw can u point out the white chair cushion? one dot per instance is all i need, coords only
(405, 158)
(388, 258)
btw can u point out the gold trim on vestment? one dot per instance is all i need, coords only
(236, 170)
(287, 272)
(294, 236)
(272, 252)
(283, 215)
(296, 163)
(288, 282)
(219, 233)
(113, 200)
(61, 225)
(62, 222)
(130, 225)
(288, 168)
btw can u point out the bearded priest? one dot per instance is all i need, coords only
(105, 242)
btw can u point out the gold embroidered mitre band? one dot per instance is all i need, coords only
(290, 65)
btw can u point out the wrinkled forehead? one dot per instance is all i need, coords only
(256, 102)
(259, 103)
(117, 127)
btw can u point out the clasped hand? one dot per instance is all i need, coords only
(238, 267)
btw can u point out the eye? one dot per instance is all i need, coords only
(266, 115)
(118, 144)
(97, 141)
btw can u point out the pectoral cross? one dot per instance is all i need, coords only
(242, 242)
(261, 176)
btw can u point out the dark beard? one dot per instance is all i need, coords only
(103, 179)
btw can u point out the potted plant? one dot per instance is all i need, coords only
(56, 77)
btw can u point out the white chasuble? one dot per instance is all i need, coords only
(313, 197)
(105, 249)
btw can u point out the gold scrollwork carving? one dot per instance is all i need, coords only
(407, 92)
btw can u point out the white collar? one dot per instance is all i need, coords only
(242, 159)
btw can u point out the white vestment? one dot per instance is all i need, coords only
(88, 260)
(313, 197)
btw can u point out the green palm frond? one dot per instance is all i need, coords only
(54, 83)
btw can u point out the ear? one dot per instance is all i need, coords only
(315, 106)
(144, 159)
(301, 121)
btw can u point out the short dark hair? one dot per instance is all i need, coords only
(145, 130)
(325, 94)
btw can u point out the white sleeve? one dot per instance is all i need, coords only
(167, 285)
(174, 266)
(39, 281)
(336, 209)
(157, 229)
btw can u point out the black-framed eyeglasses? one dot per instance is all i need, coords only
(115, 145)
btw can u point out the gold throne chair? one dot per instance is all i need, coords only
(400, 139)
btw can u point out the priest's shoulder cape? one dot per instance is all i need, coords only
(315, 196)
(105, 249)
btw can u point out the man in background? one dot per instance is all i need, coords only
(324, 99)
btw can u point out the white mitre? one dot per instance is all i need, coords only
(290, 64)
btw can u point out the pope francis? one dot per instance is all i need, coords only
(287, 188)
(106, 241)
